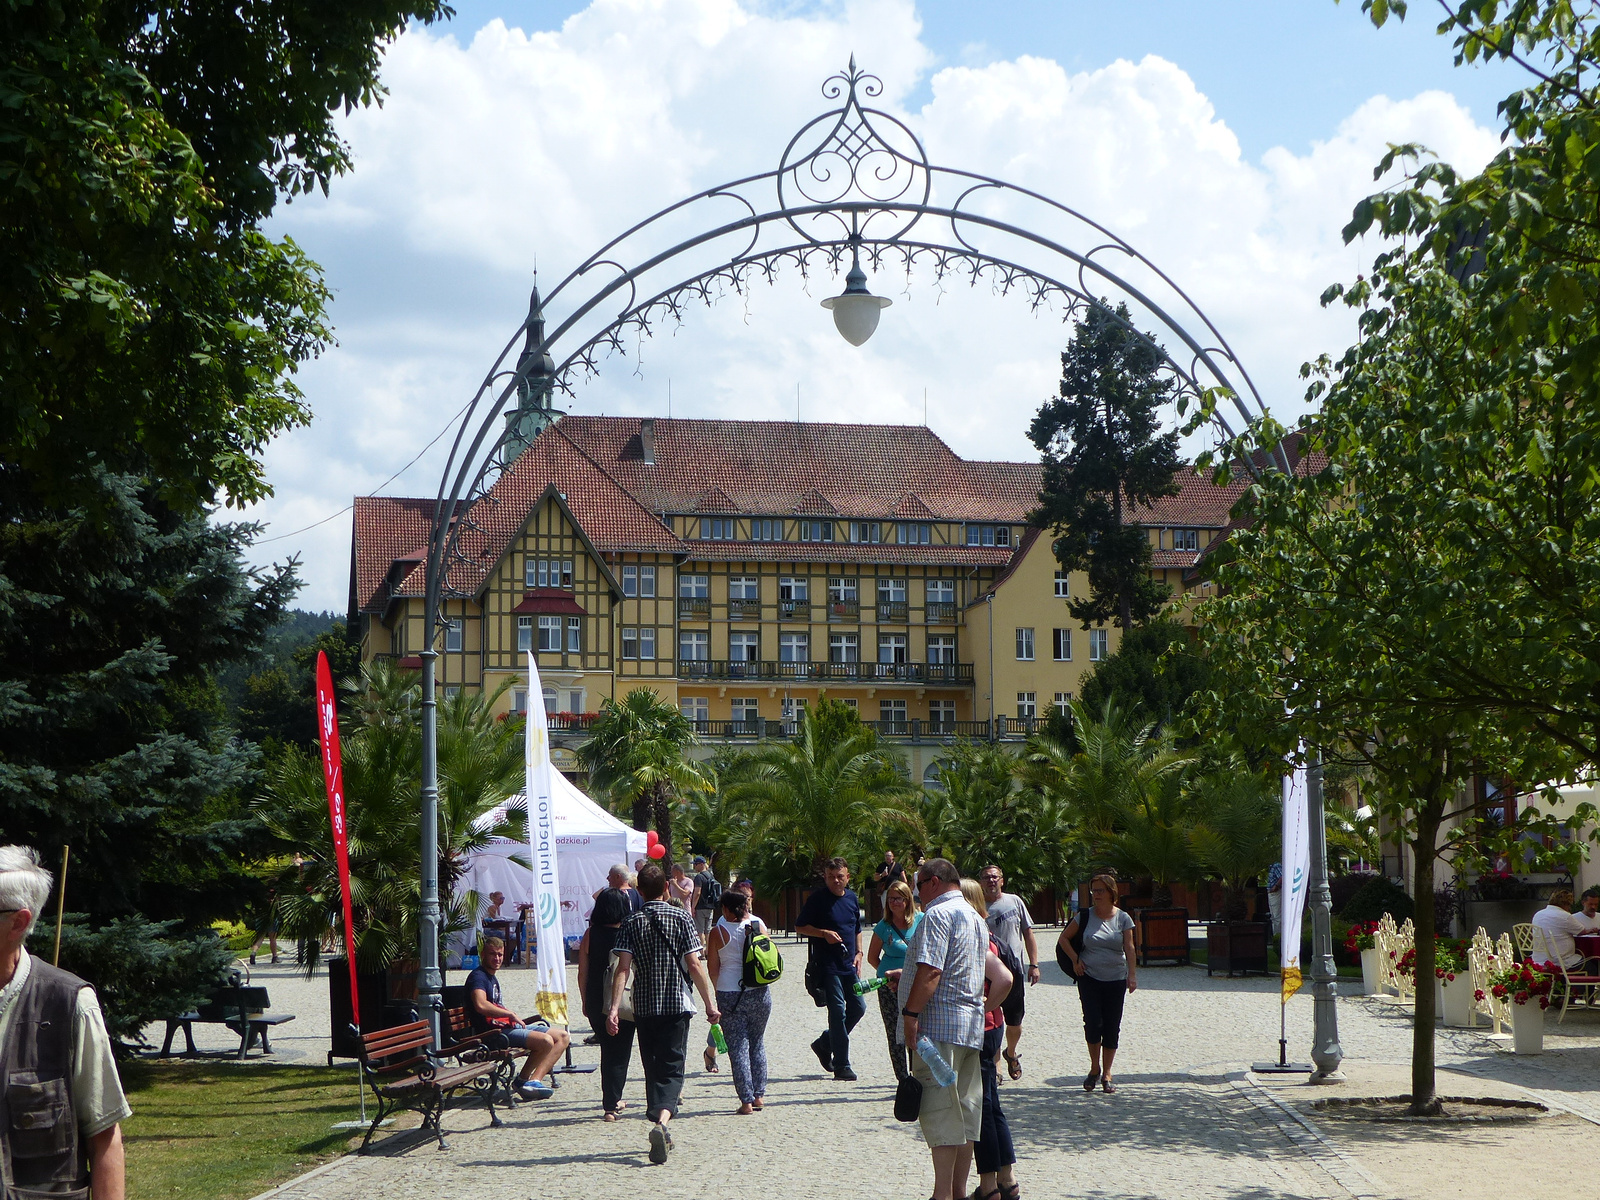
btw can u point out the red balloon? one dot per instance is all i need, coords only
(650, 838)
(657, 851)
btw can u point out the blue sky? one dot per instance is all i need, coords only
(1228, 142)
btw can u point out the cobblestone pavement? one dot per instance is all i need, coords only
(1188, 1121)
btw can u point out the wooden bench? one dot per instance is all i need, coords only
(461, 1041)
(404, 1072)
(241, 1009)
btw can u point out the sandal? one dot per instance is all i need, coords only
(1013, 1064)
(609, 1116)
(758, 1103)
(1010, 1193)
(710, 1057)
(1092, 1078)
(1107, 1086)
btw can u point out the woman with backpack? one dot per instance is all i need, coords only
(1098, 944)
(745, 1010)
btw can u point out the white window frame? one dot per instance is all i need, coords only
(744, 639)
(524, 635)
(1063, 703)
(867, 533)
(942, 649)
(745, 710)
(630, 580)
(940, 591)
(647, 582)
(455, 632)
(1027, 706)
(941, 715)
(892, 712)
(914, 533)
(1061, 644)
(694, 587)
(694, 645)
(549, 635)
(1099, 645)
(816, 531)
(795, 587)
(897, 646)
(1024, 643)
(844, 648)
(794, 647)
(744, 587)
(892, 590)
(574, 635)
(1063, 585)
(647, 643)
(844, 588)
(695, 708)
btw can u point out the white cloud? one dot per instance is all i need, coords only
(504, 148)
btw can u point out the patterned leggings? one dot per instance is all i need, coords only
(744, 1025)
(889, 1006)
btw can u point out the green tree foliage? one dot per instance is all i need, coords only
(1237, 830)
(1104, 456)
(480, 766)
(714, 822)
(978, 815)
(830, 791)
(1155, 670)
(114, 617)
(142, 970)
(146, 322)
(635, 755)
(274, 697)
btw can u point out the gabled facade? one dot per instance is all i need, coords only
(741, 568)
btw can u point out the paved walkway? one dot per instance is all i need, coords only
(1188, 1121)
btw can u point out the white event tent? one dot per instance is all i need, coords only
(589, 842)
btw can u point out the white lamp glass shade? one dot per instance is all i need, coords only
(855, 314)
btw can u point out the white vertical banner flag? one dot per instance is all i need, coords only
(551, 950)
(1296, 875)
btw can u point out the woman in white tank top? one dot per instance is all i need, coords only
(745, 1011)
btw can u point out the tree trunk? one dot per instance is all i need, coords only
(641, 810)
(1424, 1099)
(661, 802)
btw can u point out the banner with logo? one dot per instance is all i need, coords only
(551, 1000)
(333, 776)
(1296, 876)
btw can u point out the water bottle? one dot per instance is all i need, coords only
(863, 986)
(943, 1073)
(718, 1040)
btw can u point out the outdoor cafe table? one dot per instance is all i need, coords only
(1588, 944)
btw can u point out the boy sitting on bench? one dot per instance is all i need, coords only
(542, 1044)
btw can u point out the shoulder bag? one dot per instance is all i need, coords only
(1062, 960)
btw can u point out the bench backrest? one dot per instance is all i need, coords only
(391, 1049)
(230, 1002)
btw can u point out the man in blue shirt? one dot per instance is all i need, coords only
(831, 918)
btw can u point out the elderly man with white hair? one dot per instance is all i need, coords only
(55, 1056)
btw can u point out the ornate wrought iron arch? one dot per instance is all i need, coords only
(855, 182)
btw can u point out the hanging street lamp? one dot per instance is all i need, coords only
(856, 310)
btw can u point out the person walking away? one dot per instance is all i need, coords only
(611, 909)
(745, 1011)
(941, 998)
(886, 952)
(659, 941)
(541, 1044)
(680, 888)
(707, 897)
(831, 918)
(1106, 971)
(56, 1066)
(710, 1053)
(889, 872)
(994, 1154)
(1011, 925)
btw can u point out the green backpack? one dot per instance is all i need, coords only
(763, 964)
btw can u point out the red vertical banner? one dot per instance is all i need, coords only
(333, 775)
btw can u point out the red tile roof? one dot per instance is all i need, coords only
(550, 600)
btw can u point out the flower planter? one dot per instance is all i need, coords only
(1236, 946)
(1527, 1028)
(1455, 1001)
(1163, 933)
(1369, 971)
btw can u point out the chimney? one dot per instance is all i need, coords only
(647, 440)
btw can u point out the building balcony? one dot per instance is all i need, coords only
(894, 612)
(940, 612)
(827, 672)
(844, 610)
(794, 610)
(763, 729)
(694, 606)
(744, 610)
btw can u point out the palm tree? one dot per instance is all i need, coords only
(825, 794)
(1237, 832)
(978, 816)
(636, 755)
(714, 821)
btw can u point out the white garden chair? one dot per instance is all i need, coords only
(1539, 950)
(1483, 956)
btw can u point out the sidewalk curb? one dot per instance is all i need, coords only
(1339, 1166)
(344, 1164)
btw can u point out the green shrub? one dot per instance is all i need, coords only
(241, 939)
(141, 970)
(1377, 896)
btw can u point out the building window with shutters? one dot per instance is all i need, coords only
(1061, 640)
(1024, 645)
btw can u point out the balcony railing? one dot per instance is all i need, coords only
(844, 610)
(744, 610)
(822, 672)
(911, 730)
(794, 610)
(940, 612)
(896, 612)
(694, 606)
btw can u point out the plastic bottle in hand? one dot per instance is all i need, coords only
(863, 986)
(943, 1073)
(718, 1040)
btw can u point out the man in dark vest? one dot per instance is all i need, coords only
(61, 1103)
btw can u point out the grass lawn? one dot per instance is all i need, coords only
(223, 1131)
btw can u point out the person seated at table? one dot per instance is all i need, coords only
(497, 902)
(1559, 927)
(1590, 912)
(543, 1044)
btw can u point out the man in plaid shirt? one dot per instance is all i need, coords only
(660, 942)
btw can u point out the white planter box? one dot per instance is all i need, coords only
(1527, 1028)
(1456, 995)
(1369, 971)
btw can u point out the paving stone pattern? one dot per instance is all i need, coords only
(1187, 1122)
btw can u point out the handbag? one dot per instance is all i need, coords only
(816, 986)
(625, 1005)
(908, 1099)
(1062, 960)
